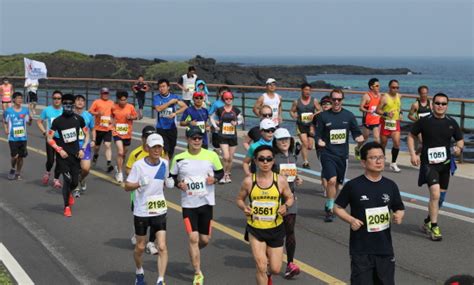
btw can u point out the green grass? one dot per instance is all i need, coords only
(5, 276)
(171, 69)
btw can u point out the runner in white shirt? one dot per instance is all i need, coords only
(272, 99)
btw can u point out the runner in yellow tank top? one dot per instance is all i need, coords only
(390, 110)
(265, 230)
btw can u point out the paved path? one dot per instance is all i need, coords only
(93, 246)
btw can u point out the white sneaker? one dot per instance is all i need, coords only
(151, 248)
(394, 167)
(119, 177)
(83, 185)
(227, 178)
(223, 180)
(133, 239)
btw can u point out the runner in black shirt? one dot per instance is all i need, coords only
(67, 146)
(374, 201)
(436, 159)
(139, 89)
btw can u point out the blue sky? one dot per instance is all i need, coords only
(239, 28)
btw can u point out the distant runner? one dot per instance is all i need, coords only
(197, 115)
(272, 99)
(187, 83)
(212, 110)
(139, 89)
(6, 91)
(368, 107)
(31, 86)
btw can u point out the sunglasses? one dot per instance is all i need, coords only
(326, 104)
(376, 85)
(269, 130)
(394, 87)
(198, 98)
(265, 159)
(267, 115)
(228, 99)
(441, 103)
(337, 99)
(56, 98)
(196, 138)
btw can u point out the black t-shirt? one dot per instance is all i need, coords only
(436, 133)
(361, 194)
(68, 129)
(138, 87)
(254, 133)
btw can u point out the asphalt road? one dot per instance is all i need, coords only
(93, 247)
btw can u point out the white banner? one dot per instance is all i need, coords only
(35, 69)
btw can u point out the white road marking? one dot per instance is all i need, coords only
(15, 269)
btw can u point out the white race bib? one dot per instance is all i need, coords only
(228, 129)
(201, 125)
(338, 136)
(156, 205)
(390, 125)
(104, 121)
(196, 186)
(69, 135)
(19, 132)
(191, 87)
(289, 170)
(421, 115)
(372, 111)
(166, 112)
(377, 219)
(264, 210)
(121, 129)
(306, 117)
(437, 155)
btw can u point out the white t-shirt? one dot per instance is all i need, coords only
(153, 192)
(189, 83)
(274, 103)
(31, 85)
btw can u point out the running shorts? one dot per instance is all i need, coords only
(103, 136)
(273, 237)
(228, 141)
(198, 219)
(18, 148)
(333, 166)
(126, 142)
(372, 269)
(386, 133)
(156, 223)
(87, 152)
(432, 174)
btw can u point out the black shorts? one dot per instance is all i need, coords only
(32, 97)
(71, 164)
(140, 99)
(231, 141)
(301, 129)
(333, 166)
(156, 223)
(371, 127)
(18, 148)
(126, 142)
(215, 140)
(372, 269)
(103, 136)
(274, 237)
(432, 174)
(198, 219)
(169, 139)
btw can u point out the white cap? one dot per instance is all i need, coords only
(270, 81)
(154, 139)
(281, 133)
(266, 124)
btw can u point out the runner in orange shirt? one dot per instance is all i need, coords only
(123, 114)
(101, 109)
(6, 92)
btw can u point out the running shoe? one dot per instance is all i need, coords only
(76, 193)
(119, 177)
(394, 167)
(161, 283)
(83, 185)
(67, 211)
(306, 165)
(436, 234)
(227, 178)
(269, 278)
(57, 184)
(357, 152)
(11, 174)
(133, 240)
(71, 200)
(291, 270)
(223, 180)
(426, 228)
(110, 168)
(151, 248)
(330, 217)
(18, 177)
(140, 279)
(45, 179)
(198, 279)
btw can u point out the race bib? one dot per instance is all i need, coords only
(377, 219)
(372, 111)
(19, 132)
(306, 117)
(390, 125)
(196, 186)
(156, 205)
(201, 125)
(104, 121)
(166, 112)
(264, 211)
(81, 135)
(437, 155)
(228, 129)
(289, 170)
(421, 115)
(337, 136)
(121, 129)
(69, 135)
(191, 87)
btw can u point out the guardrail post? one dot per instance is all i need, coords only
(151, 105)
(243, 109)
(463, 113)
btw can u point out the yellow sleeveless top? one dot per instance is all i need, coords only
(392, 104)
(265, 203)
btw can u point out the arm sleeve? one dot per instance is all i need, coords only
(91, 123)
(416, 128)
(134, 174)
(43, 115)
(343, 199)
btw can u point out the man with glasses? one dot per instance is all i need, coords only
(265, 231)
(332, 136)
(195, 171)
(272, 99)
(267, 129)
(48, 115)
(253, 134)
(303, 111)
(168, 106)
(368, 106)
(390, 109)
(197, 115)
(374, 201)
(437, 157)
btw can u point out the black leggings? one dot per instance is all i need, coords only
(290, 241)
(50, 156)
(71, 169)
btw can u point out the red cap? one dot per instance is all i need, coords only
(227, 95)
(199, 94)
